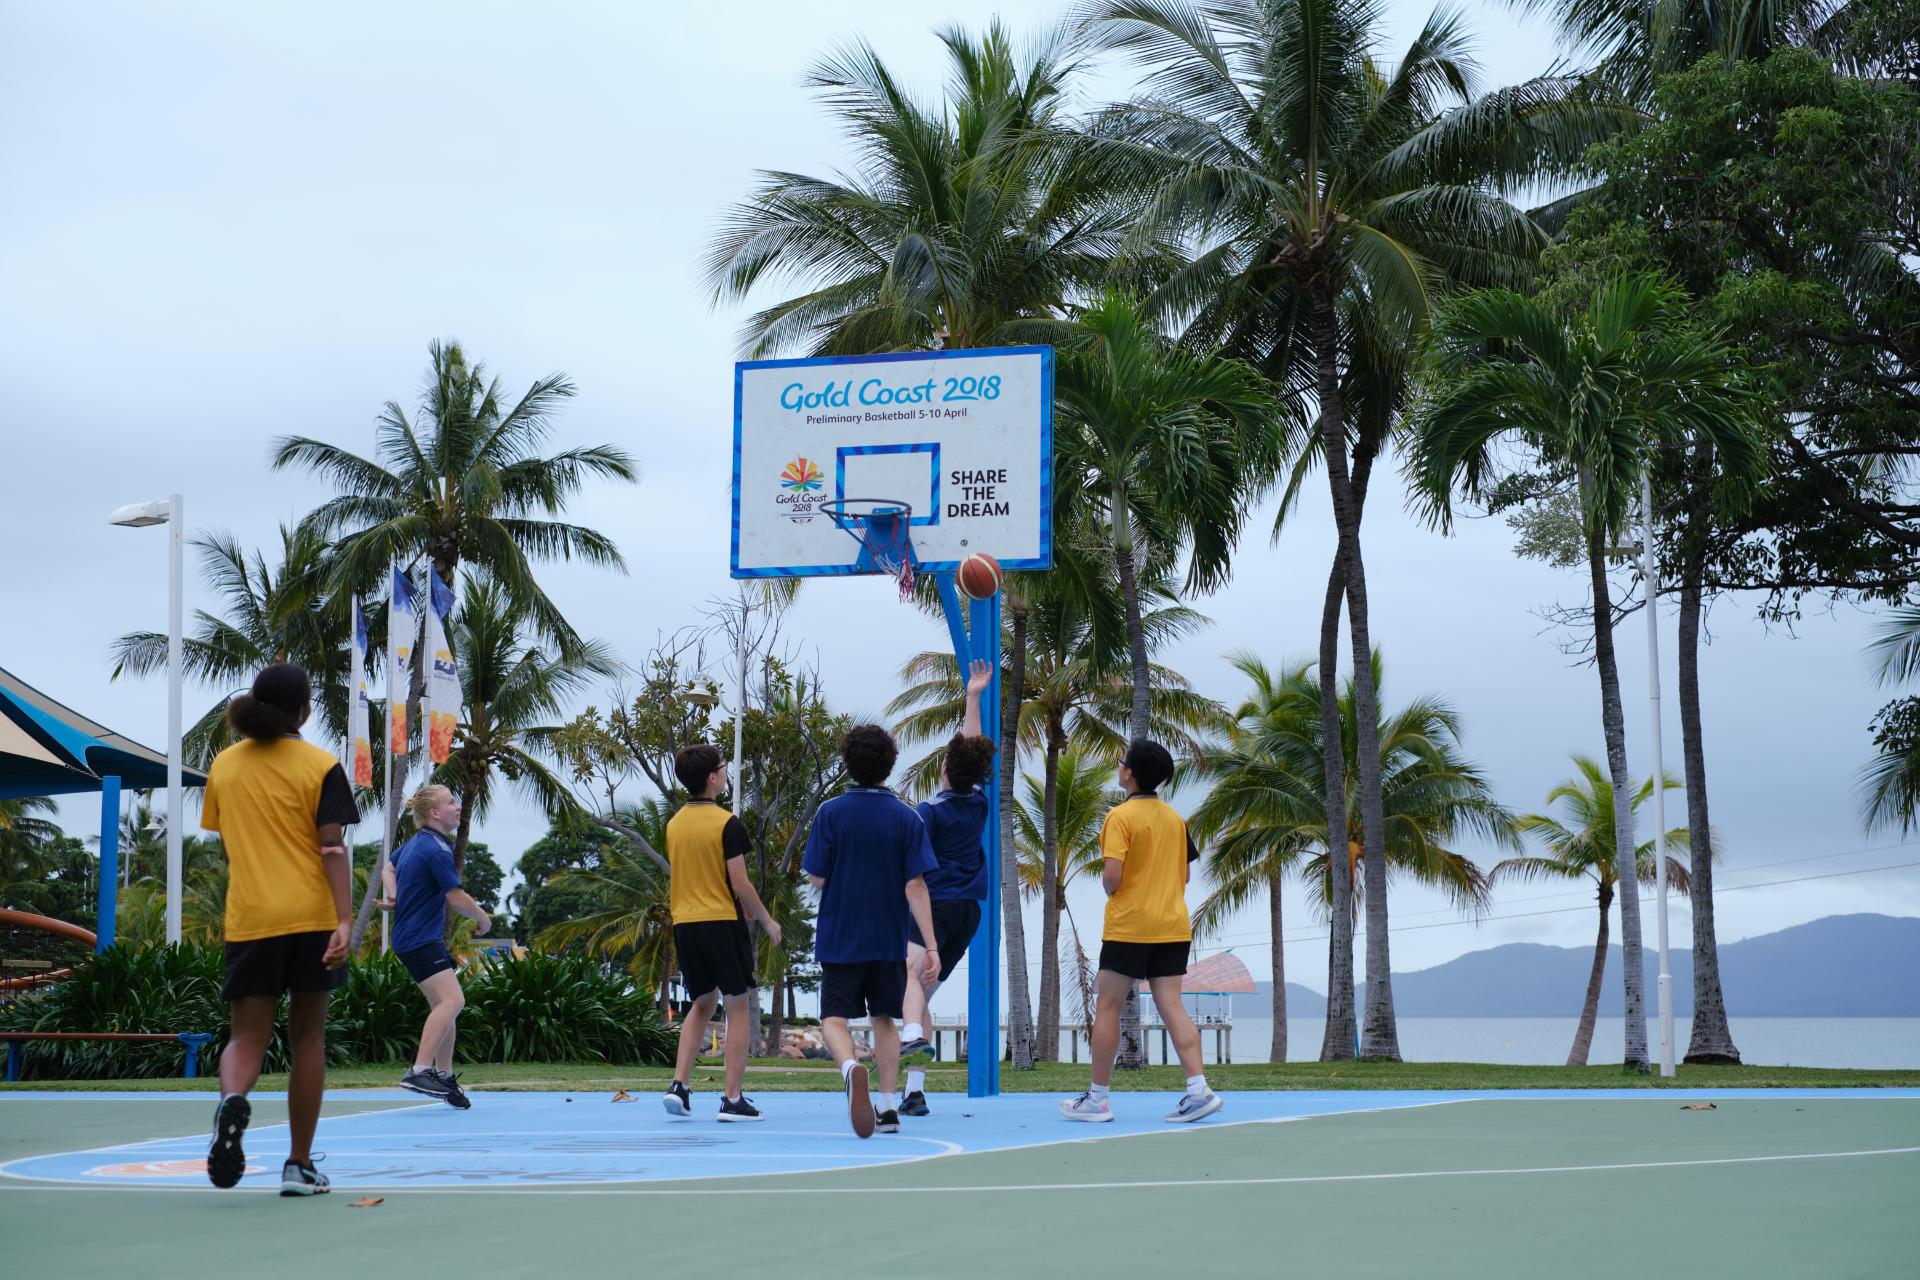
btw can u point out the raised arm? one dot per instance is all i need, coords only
(979, 676)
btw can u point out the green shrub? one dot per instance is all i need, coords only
(559, 1008)
(544, 1008)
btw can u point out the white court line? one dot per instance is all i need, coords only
(1156, 1184)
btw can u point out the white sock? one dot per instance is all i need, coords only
(913, 1031)
(846, 1069)
(916, 1082)
(1197, 1086)
(1098, 1092)
(886, 1102)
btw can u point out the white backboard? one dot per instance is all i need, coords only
(963, 437)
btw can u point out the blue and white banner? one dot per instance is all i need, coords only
(359, 711)
(403, 624)
(443, 677)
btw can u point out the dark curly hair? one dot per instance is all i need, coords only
(968, 761)
(869, 753)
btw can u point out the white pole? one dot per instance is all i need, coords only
(176, 819)
(1649, 570)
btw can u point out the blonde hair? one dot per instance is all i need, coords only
(426, 800)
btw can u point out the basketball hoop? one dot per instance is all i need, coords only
(880, 526)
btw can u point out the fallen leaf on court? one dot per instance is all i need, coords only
(622, 1096)
(1700, 1106)
(367, 1202)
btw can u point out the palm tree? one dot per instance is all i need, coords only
(1173, 443)
(958, 223)
(1590, 397)
(1889, 786)
(1266, 812)
(1330, 198)
(1057, 826)
(634, 923)
(272, 614)
(514, 696)
(466, 485)
(26, 840)
(1635, 44)
(1582, 846)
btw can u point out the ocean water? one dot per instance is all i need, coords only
(1799, 1042)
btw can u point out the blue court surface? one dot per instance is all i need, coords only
(529, 1141)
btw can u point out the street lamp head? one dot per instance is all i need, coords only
(139, 515)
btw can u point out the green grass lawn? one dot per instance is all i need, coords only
(770, 1076)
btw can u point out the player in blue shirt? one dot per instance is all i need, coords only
(867, 855)
(421, 884)
(956, 821)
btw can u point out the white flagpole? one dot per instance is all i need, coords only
(1649, 571)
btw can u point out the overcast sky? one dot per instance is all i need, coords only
(226, 223)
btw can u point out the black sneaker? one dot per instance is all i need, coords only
(225, 1160)
(456, 1096)
(917, 1053)
(426, 1081)
(914, 1104)
(677, 1100)
(303, 1179)
(738, 1110)
(887, 1122)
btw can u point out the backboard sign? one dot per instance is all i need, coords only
(963, 437)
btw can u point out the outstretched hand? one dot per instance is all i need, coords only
(979, 676)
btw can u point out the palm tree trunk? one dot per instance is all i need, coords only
(1048, 1049)
(1627, 879)
(1379, 1038)
(1019, 1001)
(1712, 1039)
(1132, 1042)
(1278, 1051)
(775, 1021)
(1590, 1008)
(1341, 1033)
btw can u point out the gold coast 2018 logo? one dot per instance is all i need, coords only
(800, 484)
(800, 476)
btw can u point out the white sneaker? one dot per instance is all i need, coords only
(1088, 1108)
(1192, 1108)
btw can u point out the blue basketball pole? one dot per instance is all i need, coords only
(109, 887)
(975, 632)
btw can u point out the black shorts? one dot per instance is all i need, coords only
(423, 962)
(867, 988)
(954, 922)
(715, 955)
(1143, 960)
(287, 962)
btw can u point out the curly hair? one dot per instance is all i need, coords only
(969, 760)
(869, 752)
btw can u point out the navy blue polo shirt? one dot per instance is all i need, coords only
(866, 844)
(423, 873)
(956, 826)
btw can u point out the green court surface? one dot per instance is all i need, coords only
(1781, 1183)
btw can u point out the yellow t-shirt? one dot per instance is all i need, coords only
(700, 839)
(268, 801)
(1146, 834)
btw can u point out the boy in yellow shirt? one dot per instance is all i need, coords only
(1147, 855)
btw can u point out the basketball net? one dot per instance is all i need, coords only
(892, 553)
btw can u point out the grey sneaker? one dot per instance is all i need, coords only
(914, 1104)
(1088, 1108)
(917, 1053)
(303, 1179)
(426, 1081)
(1192, 1108)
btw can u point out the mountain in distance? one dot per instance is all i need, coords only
(1857, 966)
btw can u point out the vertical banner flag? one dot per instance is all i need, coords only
(443, 677)
(403, 623)
(359, 713)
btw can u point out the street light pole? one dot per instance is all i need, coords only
(176, 827)
(1649, 571)
(140, 515)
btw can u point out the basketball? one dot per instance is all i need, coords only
(979, 576)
